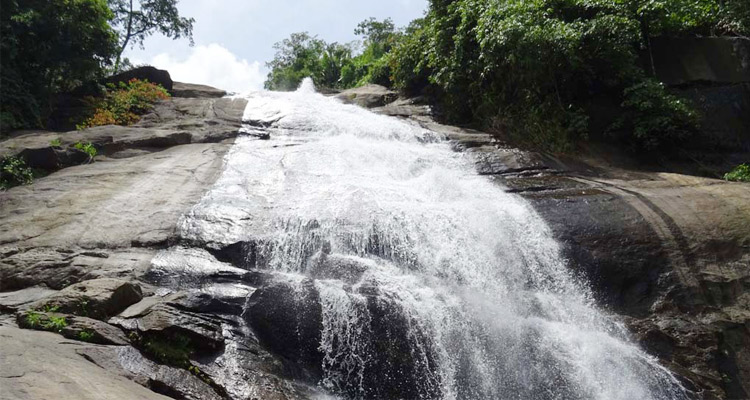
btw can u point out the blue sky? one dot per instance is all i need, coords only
(234, 38)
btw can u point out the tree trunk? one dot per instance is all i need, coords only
(127, 38)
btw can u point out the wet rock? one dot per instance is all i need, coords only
(491, 160)
(157, 318)
(287, 320)
(170, 381)
(368, 96)
(97, 298)
(94, 331)
(348, 269)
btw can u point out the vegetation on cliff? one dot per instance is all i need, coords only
(538, 71)
(51, 47)
(123, 104)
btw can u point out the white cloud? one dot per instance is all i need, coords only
(213, 65)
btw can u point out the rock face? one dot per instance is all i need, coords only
(669, 253)
(95, 298)
(73, 241)
(719, 60)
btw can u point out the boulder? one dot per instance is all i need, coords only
(287, 320)
(21, 299)
(368, 96)
(96, 298)
(94, 331)
(156, 318)
(149, 73)
(197, 91)
(287, 317)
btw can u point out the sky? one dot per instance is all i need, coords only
(234, 38)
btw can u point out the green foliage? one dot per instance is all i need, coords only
(123, 104)
(55, 324)
(654, 117)
(534, 69)
(45, 322)
(408, 61)
(86, 335)
(137, 20)
(87, 148)
(48, 47)
(173, 352)
(33, 319)
(56, 142)
(14, 172)
(50, 308)
(334, 65)
(740, 174)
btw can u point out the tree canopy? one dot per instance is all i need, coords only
(55, 46)
(49, 46)
(333, 65)
(540, 71)
(137, 20)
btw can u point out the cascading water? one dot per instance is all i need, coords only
(429, 280)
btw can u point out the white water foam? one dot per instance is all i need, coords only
(490, 307)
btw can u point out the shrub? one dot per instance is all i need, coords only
(123, 104)
(14, 172)
(87, 148)
(655, 117)
(740, 174)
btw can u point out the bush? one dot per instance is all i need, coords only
(87, 148)
(740, 174)
(655, 117)
(14, 172)
(123, 104)
(533, 67)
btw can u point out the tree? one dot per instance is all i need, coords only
(296, 58)
(48, 47)
(377, 34)
(136, 20)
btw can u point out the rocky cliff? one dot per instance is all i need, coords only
(669, 253)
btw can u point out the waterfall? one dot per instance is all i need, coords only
(429, 280)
